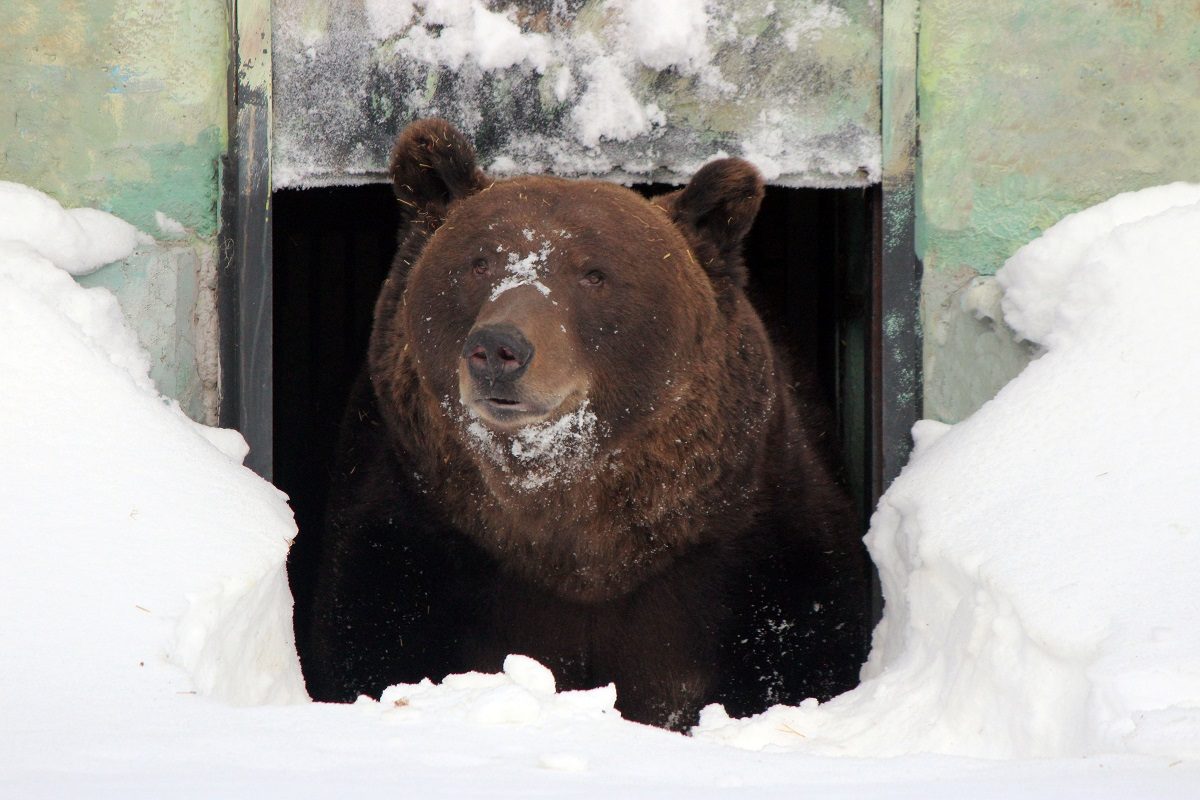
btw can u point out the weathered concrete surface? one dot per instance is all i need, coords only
(121, 105)
(969, 352)
(168, 292)
(1030, 111)
(791, 84)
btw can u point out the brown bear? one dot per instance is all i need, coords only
(574, 440)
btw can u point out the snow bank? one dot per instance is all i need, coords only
(1039, 559)
(133, 539)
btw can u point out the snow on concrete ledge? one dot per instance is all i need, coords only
(634, 90)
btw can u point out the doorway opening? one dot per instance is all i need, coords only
(810, 254)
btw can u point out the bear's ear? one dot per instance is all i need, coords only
(718, 206)
(432, 166)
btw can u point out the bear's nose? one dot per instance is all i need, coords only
(497, 353)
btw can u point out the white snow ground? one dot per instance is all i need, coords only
(1038, 563)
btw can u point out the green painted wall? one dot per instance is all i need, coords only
(122, 105)
(1027, 111)
(1030, 111)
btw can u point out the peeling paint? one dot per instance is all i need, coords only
(801, 99)
(1030, 111)
(167, 292)
(122, 105)
(117, 104)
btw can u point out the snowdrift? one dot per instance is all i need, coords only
(1038, 566)
(1038, 559)
(79, 240)
(134, 542)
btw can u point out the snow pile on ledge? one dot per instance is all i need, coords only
(133, 538)
(1039, 559)
(80, 240)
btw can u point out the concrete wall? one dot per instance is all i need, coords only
(790, 84)
(122, 105)
(1030, 111)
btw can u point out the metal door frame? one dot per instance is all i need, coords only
(894, 358)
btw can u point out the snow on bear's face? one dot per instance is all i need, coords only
(542, 301)
(539, 316)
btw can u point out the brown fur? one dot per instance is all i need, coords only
(594, 538)
(633, 557)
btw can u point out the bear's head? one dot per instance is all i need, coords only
(560, 330)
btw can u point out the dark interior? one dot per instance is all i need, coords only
(809, 254)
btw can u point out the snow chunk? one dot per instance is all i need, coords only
(667, 33)
(168, 227)
(607, 109)
(1036, 279)
(556, 449)
(529, 673)
(386, 18)
(452, 31)
(80, 240)
(523, 270)
(925, 432)
(524, 694)
(227, 440)
(1038, 559)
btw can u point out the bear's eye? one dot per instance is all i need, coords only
(593, 277)
(480, 267)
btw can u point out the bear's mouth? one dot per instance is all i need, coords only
(508, 413)
(508, 406)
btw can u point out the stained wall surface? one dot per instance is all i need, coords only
(1030, 111)
(122, 105)
(640, 90)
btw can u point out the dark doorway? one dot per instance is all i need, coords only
(810, 256)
